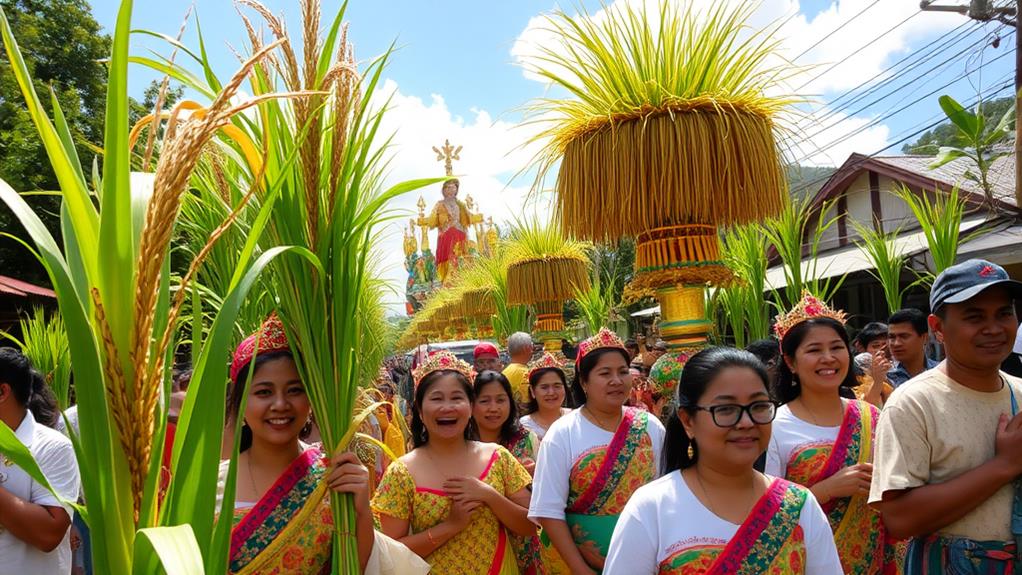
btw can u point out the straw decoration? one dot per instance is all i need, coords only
(701, 167)
(546, 279)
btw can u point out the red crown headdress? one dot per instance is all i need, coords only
(271, 338)
(443, 360)
(602, 340)
(808, 308)
(546, 361)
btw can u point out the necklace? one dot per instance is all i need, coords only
(600, 422)
(256, 494)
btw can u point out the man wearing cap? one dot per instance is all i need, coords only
(487, 358)
(949, 441)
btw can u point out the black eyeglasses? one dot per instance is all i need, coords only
(729, 414)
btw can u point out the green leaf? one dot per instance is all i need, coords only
(946, 155)
(13, 448)
(967, 122)
(176, 547)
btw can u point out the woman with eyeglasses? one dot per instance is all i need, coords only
(824, 441)
(712, 512)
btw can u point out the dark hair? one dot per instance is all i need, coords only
(786, 387)
(912, 316)
(534, 377)
(28, 386)
(873, 330)
(767, 350)
(511, 428)
(419, 434)
(586, 366)
(237, 392)
(700, 370)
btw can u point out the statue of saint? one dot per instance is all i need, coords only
(451, 218)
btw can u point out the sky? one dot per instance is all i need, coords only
(870, 70)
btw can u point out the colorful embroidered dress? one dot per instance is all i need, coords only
(484, 546)
(528, 550)
(585, 477)
(666, 530)
(858, 530)
(289, 529)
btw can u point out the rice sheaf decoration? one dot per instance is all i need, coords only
(669, 131)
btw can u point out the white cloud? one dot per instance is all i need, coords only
(491, 154)
(800, 34)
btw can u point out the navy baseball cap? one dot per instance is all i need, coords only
(966, 280)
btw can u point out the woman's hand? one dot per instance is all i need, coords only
(852, 480)
(461, 513)
(470, 489)
(879, 368)
(348, 475)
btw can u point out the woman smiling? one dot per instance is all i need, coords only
(594, 458)
(454, 500)
(824, 441)
(712, 512)
(548, 390)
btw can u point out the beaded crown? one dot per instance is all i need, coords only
(443, 360)
(604, 339)
(546, 361)
(271, 338)
(807, 308)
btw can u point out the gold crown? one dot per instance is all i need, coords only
(443, 360)
(604, 339)
(807, 308)
(546, 361)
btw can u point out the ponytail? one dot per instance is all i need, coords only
(42, 402)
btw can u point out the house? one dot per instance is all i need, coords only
(864, 189)
(17, 299)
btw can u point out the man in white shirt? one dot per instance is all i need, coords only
(34, 524)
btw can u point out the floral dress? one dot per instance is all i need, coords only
(481, 548)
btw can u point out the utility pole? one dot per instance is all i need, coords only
(985, 11)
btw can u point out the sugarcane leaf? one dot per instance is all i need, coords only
(177, 73)
(170, 40)
(175, 547)
(13, 448)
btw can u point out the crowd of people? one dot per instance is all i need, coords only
(811, 452)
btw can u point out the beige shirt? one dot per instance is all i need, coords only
(932, 430)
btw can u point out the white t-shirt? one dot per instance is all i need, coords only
(56, 459)
(664, 518)
(791, 435)
(567, 439)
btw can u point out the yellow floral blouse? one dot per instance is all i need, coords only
(473, 550)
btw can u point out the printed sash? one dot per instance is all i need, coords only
(287, 510)
(761, 537)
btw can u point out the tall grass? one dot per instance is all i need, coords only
(744, 303)
(887, 260)
(44, 342)
(796, 238)
(940, 218)
(327, 153)
(112, 282)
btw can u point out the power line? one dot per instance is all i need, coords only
(939, 68)
(867, 45)
(916, 133)
(886, 115)
(835, 30)
(923, 57)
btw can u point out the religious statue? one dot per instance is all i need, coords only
(451, 217)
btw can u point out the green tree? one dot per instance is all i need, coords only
(62, 44)
(946, 134)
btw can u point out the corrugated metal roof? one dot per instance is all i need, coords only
(1001, 174)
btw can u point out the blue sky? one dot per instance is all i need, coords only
(457, 75)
